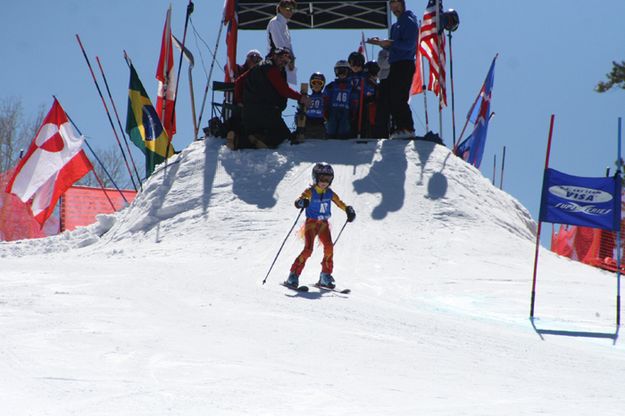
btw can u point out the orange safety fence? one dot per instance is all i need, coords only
(591, 246)
(81, 204)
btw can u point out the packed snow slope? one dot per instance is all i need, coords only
(159, 309)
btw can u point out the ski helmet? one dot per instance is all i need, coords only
(372, 68)
(341, 67)
(356, 59)
(322, 169)
(318, 76)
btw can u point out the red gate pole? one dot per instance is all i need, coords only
(539, 222)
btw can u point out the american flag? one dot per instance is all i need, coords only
(432, 46)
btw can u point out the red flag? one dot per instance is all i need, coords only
(53, 162)
(432, 46)
(232, 20)
(417, 78)
(166, 80)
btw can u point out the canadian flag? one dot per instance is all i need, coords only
(166, 80)
(54, 162)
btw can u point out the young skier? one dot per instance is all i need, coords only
(317, 201)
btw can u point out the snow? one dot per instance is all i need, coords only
(160, 308)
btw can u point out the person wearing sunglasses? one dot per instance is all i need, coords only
(402, 47)
(279, 37)
(315, 123)
(338, 102)
(317, 200)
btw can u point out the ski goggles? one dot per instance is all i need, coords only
(317, 83)
(341, 71)
(324, 179)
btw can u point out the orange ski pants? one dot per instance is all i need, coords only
(312, 229)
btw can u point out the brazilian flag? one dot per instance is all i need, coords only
(144, 127)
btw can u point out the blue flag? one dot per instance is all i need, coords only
(574, 200)
(472, 148)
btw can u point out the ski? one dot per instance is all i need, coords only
(302, 288)
(341, 291)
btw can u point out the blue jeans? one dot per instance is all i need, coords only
(338, 125)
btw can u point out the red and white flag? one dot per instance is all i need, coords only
(432, 46)
(54, 162)
(166, 80)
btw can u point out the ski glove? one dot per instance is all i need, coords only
(302, 203)
(351, 214)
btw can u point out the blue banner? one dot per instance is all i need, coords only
(574, 200)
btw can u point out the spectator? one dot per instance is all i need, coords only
(279, 37)
(234, 137)
(402, 50)
(264, 99)
(356, 62)
(337, 97)
(252, 59)
(315, 123)
(382, 99)
(369, 96)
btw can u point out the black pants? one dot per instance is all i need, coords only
(382, 110)
(267, 122)
(399, 81)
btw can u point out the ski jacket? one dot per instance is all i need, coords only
(404, 34)
(320, 205)
(338, 93)
(278, 35)
(266, 86)
(315, 110)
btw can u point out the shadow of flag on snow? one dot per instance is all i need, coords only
(575, 200)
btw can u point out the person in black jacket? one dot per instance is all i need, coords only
(265, 97)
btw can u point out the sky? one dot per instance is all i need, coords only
(159, 308)
(551, 55)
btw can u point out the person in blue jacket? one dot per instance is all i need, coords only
(402, 47)
(317, 201)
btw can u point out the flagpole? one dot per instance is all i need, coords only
(210, 74)
(101, 165)
(108, 114)
(423, 86)
(494, 167)
(618, 235)
(440, 94)
(119, 123)
(539, 222)
(184, 37)
(191, 60)
(451, 75)
(503, 162)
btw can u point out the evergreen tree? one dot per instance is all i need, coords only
(615, 78)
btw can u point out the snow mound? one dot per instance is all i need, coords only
(206, 192)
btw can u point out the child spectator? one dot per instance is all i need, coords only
(369, 97)
(315, 123)
(337, 97)
(356, 62)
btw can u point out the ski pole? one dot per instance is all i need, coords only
(285, 238)
(340, 232)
